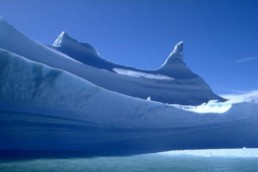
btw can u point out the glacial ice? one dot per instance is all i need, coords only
(44, 108)
(50, 101)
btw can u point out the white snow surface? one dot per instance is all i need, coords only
(251, 96)
(211, 107)
(230, 153)
(214, 106)
(138, 74)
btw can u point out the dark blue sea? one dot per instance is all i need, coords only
(222, 160)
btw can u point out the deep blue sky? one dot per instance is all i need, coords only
(221, 37)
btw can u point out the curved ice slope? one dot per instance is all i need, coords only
(48, 109)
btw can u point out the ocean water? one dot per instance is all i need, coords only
(222, 160)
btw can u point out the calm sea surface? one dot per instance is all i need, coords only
(234, 160)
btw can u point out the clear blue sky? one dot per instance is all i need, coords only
(220, 36)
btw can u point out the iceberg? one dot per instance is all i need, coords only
(53, 102)
(48, 109)
(174, 74)
(82, 60)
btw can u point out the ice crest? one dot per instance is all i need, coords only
(176, 56)
(64, 41)
(177, 53)
(178, 50)
(58, 41)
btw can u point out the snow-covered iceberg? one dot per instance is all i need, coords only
(47, 104)
(84, 61)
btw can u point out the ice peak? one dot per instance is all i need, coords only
(177, 52)
(178, 47)
(176, 56)
(63, 35)
(65, 41)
